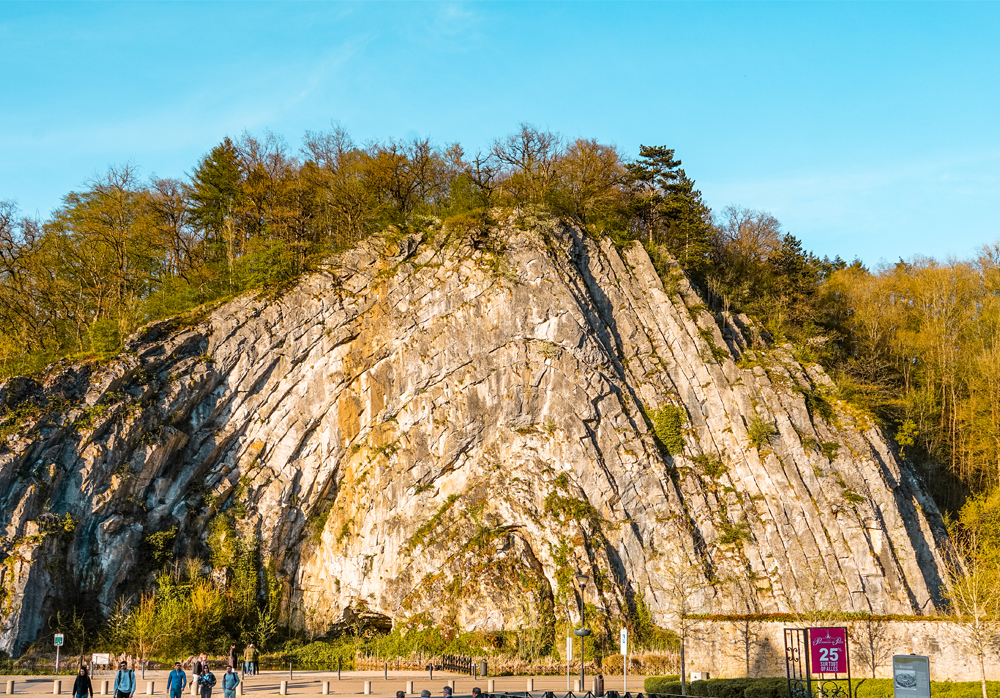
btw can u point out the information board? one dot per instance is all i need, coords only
(828, 650)
(100, 659)
(911, 676)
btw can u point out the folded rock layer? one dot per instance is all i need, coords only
(430, 428)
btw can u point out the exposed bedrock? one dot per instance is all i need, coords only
(424, 427)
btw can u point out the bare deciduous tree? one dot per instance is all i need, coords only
(871, 641)
(682, 590)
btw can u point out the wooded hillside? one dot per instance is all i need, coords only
(914, 343)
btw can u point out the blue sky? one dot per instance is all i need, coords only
(869, 130)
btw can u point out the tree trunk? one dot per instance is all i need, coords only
(982, 672)
(684, 691)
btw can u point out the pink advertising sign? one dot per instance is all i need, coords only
(828, 650)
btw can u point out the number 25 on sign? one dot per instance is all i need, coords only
(828, 650)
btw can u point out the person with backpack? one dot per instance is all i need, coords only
(230, 680)
(177, 681)
(124, 682)
(206, 681)
(82, 686)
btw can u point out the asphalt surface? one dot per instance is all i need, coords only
(309, 683)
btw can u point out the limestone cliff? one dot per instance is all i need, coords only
(428, 426)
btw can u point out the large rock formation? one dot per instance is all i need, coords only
(428, 426)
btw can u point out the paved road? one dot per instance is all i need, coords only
(309, 683)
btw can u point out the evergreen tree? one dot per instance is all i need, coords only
(216, 189)
(668, 210)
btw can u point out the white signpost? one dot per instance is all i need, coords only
(569, 656)
(57, 641)
(911, 676)
(624, 649)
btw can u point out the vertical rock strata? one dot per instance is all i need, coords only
(428, 429)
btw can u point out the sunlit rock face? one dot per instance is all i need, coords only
(429, 431)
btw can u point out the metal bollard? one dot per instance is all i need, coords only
(283, 691)
(491, 686)
(531, 685)
(385, 675)
(104, 688)
(10, 687)
(326, 688)
(452, 684)
(56, 687)
(368, 688)
(432, 671)
(289, 671)
(578, 686)
(409, 688)
(194, 687)
(239, 688)
(150, 688)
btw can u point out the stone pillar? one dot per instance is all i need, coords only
(368, 688)
(531, 685)
(491, 686)
(326, 688)
(150, 688)
(409, 688)
(10, 687)
(56, 687)
(283, 691)
(578, 686)
(104, 687)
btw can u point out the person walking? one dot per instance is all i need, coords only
(230, 680)
(199, 666)
(256, 660)
(206, 682)
(124, 681)
(248, 659)
(177, 681)
(232, 656)
(82, 686)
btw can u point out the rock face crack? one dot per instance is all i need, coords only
(415, 431)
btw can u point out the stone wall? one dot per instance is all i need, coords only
(717, 648)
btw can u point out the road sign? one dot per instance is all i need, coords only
(58, 640)
(828, 650)
(911, 676)
(624, 641)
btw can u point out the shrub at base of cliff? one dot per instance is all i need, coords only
(778, 688)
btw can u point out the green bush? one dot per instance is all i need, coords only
(667, 422)
(778, 688)
(662, 684)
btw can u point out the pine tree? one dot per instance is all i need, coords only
(216, 189)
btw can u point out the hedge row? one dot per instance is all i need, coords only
(778, 688)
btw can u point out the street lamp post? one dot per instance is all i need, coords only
(582, 631)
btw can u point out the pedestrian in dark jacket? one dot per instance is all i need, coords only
(232, 656)
(230, 680)
(177, 681)
(206, 681)
(82, 686)
(124, 682)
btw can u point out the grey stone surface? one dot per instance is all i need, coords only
(426, 428)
